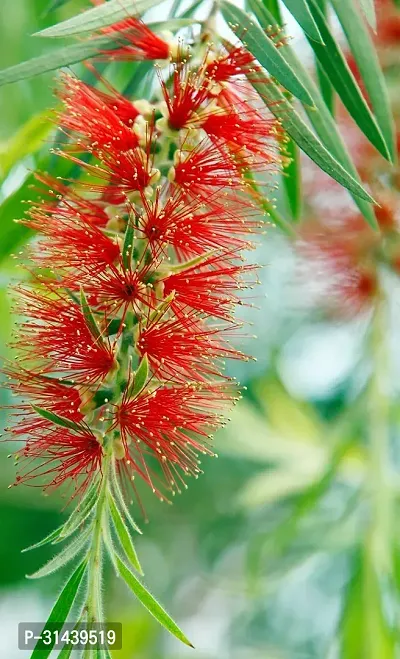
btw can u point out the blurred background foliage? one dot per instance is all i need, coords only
(288, 547)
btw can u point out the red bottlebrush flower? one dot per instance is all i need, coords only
(184, 348)
(135, 41)
(58, 455)
(74, 248)
(56, 334)
(190, 90)
(192, 228)
(144, 304)
(172, 425)
(210, 287)
(95, 118)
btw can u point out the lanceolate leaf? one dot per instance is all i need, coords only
(321, 120)
(28, 139)
(62, 558)
(140, 378)
(13, 233)
(368, 7)
(336, 68)
(264, 50)
(273, 7)
(80, 514)
(172, 24)
(55, 418)
(60, 611)
(364, 630)
(55, 59)
(326, 88)
(90, 320)
(98, 17)
(49, 538)
(120, 499)
(291, 177)
(75, 53)
(123, 534)
(66, 652)
(150, 603)
(302, 14)
(304, 137)
(127, 248)
(191, 9)
(364, 53)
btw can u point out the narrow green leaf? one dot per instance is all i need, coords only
(304, 137)
(55, 418)
(66, 652)
(141, 82)
(45, 541)
(175, 8)
(273, 7)
(364, 53)
(121, 500)
(291, 177)
(321, 120)
(123, 534)
(150, 603)
(62, 558)
(98, 17)
(127, 248)
(325, 88)
(264, 50)
(324, 84)
(302, 14)
(140, 378)
(68, 55)
(79, 515)
(13, 233)
(173, 24)
(28, 139)
(364, 630)
(60, 611)
(90, 319)
(368, 7)
(162, 308)
(56, 59)
(336, 68)
(191, 9)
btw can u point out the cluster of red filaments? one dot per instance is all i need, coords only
(127, 318)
